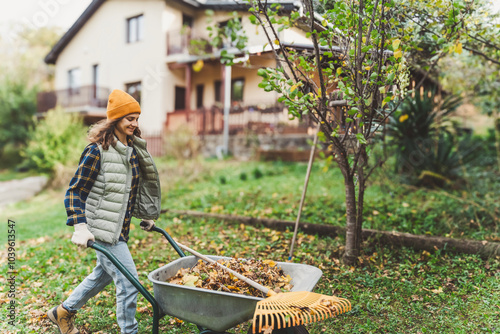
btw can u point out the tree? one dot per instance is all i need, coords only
(444, 30)
(359, 58)
(357, 54)
(22, 74)
(17, 111)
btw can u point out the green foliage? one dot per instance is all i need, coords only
(485, 145)
(226, 35)
(424, 139)
(56, 141)
(17, 112)
(358, 53)
(448, 157)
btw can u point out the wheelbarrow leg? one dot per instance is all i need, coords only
(209, 331)
(289, 330)
(133, 280)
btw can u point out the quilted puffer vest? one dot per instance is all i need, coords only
(107, 201)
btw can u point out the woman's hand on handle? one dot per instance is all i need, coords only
(81, 235)
(147, 225)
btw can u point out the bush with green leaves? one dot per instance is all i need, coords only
(426, 142)
(182, 143)
(57, 140)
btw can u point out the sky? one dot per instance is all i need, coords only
(40, 13)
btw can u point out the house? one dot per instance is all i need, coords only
(145, 48)
(156, 50)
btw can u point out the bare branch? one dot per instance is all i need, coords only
(285, 56)
(478, 53)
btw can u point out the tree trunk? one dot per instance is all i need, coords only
(496, 128)
(361, 202)
(352, 237)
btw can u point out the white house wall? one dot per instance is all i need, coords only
(102, 41)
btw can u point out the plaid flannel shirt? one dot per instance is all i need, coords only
(83, 180)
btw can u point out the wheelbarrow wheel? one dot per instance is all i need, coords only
(290, 330)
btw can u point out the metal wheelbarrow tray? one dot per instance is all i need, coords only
(217, 310)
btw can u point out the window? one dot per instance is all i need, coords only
(134, 89)
(217, 87)
(180, 98)
(187, 21)
(135, 29)
(74, 83)
(237, 86)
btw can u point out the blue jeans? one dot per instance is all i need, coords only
(104, 273)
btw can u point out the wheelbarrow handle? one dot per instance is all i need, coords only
(135, 282)
(168, 237)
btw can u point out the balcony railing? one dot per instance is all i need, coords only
(183, 42)
(75, 99)
(256, 118)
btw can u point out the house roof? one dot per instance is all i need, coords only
(286, 5)
(51, 58)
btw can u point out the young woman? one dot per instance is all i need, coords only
(115, 180)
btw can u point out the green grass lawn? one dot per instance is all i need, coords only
(273, 190)
(393, 290)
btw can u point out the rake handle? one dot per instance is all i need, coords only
(256, 285)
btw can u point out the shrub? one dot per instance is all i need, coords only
(243, 176)
(257, 173)
(182, 143)
(428, 149)
(57, 140)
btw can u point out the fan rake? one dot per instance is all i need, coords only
(281, 310)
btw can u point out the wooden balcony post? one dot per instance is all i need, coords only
(188, 77)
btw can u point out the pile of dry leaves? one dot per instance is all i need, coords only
(211, 276)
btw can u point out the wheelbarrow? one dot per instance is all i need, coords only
(213, 312)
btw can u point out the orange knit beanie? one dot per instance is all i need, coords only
(121, 104)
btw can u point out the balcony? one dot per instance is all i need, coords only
(82, 99)
(182, 42)
(259, 119)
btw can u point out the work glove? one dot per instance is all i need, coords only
(82, 235)
(147, 224)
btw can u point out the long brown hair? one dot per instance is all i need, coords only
(103, 132)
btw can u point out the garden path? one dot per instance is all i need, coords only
(17, 190)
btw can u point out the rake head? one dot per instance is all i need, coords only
(296, 308)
